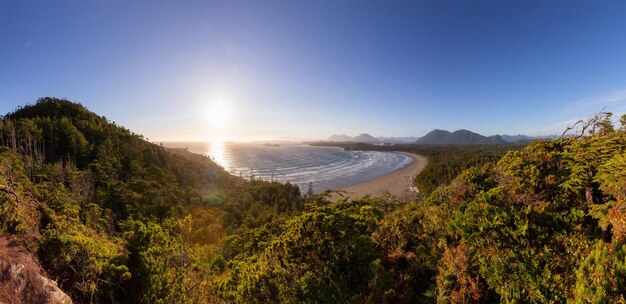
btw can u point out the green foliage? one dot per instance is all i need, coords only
(121, 171)
(74, 183)
(445, 163)
(323, 255)
(157, 261)
(92, 266)
(409, 239)
(117, 219)
(519, 227)
(18, 209)
(256, 202)
(601, 276)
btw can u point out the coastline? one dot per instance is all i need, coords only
(397, 183)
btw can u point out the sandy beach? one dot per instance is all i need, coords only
(398, 183)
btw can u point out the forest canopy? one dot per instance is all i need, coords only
(115, 218)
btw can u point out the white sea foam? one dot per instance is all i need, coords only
(323, 167)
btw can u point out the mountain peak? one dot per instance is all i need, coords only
(340, 138)
(365, 138)
(458, 137)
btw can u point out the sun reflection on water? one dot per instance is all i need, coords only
(218, 154)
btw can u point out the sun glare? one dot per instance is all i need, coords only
(219, 115)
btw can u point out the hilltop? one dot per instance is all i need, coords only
(340, 138)
(362, 138)
(366, 138)
(459, 137)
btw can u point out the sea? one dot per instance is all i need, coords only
(321, 168)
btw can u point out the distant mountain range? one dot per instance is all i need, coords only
(459, 137)
(398, 140)
(442, 137)
(340, 138)
(523, 138)
(366, 138)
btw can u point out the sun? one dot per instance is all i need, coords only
(219, 115)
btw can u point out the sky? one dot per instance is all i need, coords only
(245, 70)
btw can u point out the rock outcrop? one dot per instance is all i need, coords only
(22, 280)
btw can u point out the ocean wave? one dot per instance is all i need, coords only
(323, 167)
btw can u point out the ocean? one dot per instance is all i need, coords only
(322, 167)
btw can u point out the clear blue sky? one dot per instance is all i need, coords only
(316, 68)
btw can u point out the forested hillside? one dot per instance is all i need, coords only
(103, 208)
(445, 162)
(117, 219)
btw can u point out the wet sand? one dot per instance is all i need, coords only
(398, 183)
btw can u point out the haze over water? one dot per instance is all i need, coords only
(323, 167)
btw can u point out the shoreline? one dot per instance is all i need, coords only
(398, 183)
